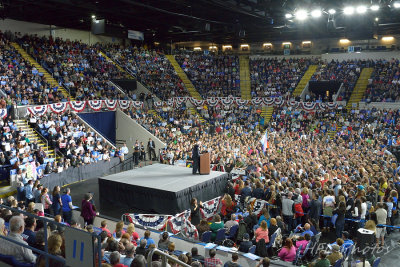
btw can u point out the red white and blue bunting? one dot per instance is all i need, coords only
(210, 208)
(77, 106)
(137, 104)
(159, 104)
(212, 101)
(38, 110)
(3, 113)
(111, 104)
(157, 222)
(58, 107)
(124, 104)
(95, 105)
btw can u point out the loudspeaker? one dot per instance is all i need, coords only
(365, 239)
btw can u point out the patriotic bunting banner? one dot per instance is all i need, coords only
(242, 102)
(268, 101)
(3, 113)
(111, 104)
(58, 107)
(332, 105)
(137, 104)
(77, 106)
(257, 101)
(124, 104)
(308, 106)
(149, 220)
(96, 105)
(159, 104)
(211, 101)
(278, 101)
(292, 103)
(227, 101)
(197, 102)
(38, 110)
(210, 208)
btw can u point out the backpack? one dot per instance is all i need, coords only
(228, 243)
(242, 230)
(261, 249)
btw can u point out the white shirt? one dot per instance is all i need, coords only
(20, 253)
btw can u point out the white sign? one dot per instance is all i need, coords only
(135, 35)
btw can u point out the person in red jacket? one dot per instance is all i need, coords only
(88, 211)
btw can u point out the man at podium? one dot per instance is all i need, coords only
(196, 158)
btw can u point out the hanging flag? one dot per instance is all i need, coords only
(264, 141)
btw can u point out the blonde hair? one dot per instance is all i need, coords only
(130, 229)
(119, 226)
(54, 243)
(273, 221)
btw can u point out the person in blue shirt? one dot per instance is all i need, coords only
(66, 201)
(29, 192)
(307, 230)
(148, 238)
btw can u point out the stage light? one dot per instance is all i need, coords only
(387, 38)
(244, 45)
(93, 16)
(376, 19)
(288, 16)
(301, 14)
(331, 11)
(316, 13)
(267, 44)
(344, 41)
(396, 4)
(197, 49)
(306, 42)
(361, 9)
(374, 7)
(348, 10)
(213, 47)
(286, 43)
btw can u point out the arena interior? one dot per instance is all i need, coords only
(288, 109)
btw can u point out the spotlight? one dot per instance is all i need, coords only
(301, 14)
(396, 4)
(348, 10)
(331, 11)
(374, 7)
(387, 38)
(93, 16)
(316, 13)
(376, 19)
(361, 9)
(288, 16)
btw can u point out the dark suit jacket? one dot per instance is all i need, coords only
(245, 246)
(315, 209)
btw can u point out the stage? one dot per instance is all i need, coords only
(159, 188)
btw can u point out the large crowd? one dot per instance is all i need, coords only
(212, 75)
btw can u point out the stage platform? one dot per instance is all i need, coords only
(159, 188)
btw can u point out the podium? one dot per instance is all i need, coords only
(205, 163)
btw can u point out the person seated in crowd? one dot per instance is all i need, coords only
(246, 244)
(148, 238)
(232, 222)
(335, 255)
(322, 261)
(262, 232)
(215, 226)
(288, 251)
(104, 227)
(234, 261)
(164, 241)
(55, 242)
(303, 241)
(264, 262)
(196, 256)
(307, 230)
(212, 261)
(141, 249)
(22, 254)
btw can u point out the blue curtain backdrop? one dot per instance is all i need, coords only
(103, 122)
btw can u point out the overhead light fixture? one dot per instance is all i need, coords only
(267, 44)
(301, 14)
(344, 41)
(213, 47)
(197, 48)
(376, 19)
(361, 9)
(93, 16)
(288, 16)
(286, 43)
(331, 11)
(374, 7)
(316, 13)
(244, 45)
(348, 10)
(306, 42)
(387, 38)
(227, 47)
(396, 4)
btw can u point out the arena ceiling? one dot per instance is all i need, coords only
(212, 20)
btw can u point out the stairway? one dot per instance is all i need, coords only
(53, 82)
(359, 88)
(181, 74)
(126, 74)
(33, 135)
(266, 113)
(194, 112)
(304, 80)
(332, 133)
(245, 82)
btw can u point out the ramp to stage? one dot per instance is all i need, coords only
(159, 188)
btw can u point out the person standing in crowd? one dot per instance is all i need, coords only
(339, 224)
(67, 206)
(288, 211)
(136, 153)
(45, 200)
(381, 216)
(88, 210)
(56, 206)
(195, 215)
(196, 158)
(142, 152)
(29, 192)
(151, 149)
